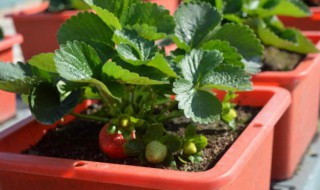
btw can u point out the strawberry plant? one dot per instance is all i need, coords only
(262, 17)
(115, 55)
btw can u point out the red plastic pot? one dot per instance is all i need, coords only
(8, 100)
(298, 125)
(245, 166)
(304, 23)
(39, 29)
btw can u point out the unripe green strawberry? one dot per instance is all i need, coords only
(156, 152)
(189, 148)
(231, 115)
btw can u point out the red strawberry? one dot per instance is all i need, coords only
(111, 144)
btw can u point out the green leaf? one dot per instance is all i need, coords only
(134, 147)
(195, 22)
(16, 77)
(118, 8)
(232, 6)
(227, 77)
(117, 72)
(77, 61)
(89, 28)
(246, 43)
(107, 17)
(160, 63)
(148, 32)
(154, 132)
(190, 131)
(198, 63)
(44, 61)
(200, 106)
(134, 49)
(230, 54)
(143, 70)
(295, 8)
(48, 106)
(172, 143)
(150, 14)
(89, 93)
(302, 45)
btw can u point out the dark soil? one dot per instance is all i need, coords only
(280, 60)
(79, 140)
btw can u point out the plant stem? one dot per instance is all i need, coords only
(90, 117)
(172, 115)
(168, 108)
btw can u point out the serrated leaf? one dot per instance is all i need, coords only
(148, 32)
(191, 97)
(227, 77)
(118, 8)
(302, 45)
(150, 14)
(198, 63)
(134, 49)
(107, 17)
(47, 105)
(44, 61)
(117, 72)
(195, 22)
(154, 132)
(172, 143)
(77, 61)
(246, 43)
(230, 54)
(200, 106)
(16, 77)
(89, 28)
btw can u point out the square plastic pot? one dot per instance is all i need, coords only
(246, 165)
(39, 29)
(298, 125)
(8, 100)
(305, 23)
